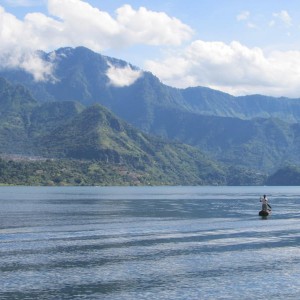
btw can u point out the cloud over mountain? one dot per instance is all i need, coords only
(233, 68)
(120, 77)
(77, 23)
(230, 66)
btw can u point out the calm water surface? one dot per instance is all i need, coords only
(149, 243)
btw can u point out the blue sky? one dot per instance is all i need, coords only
(240, 47)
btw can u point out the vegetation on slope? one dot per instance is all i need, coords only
(87, 172)
(289, 175)
(48, 172)
(67, 130)
(256, 132)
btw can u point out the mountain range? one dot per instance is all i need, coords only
(69, 116)
(68, 130)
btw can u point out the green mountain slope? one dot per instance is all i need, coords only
(287, 176)
(108, 145)
(81, 75)
(261, 144)
(16, 104)
(47, 116)
(254, 131)
(96, 134)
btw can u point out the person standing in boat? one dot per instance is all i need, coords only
(264, 201)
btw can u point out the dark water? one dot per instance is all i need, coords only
(149, 243)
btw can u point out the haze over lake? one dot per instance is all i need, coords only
(148, 243)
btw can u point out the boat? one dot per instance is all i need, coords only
(264, 213)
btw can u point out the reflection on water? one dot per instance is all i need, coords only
(148, 243)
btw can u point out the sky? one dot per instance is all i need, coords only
(236, 46)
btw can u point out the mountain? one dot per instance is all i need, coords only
(49, 115)
(255, 131)
(261, 144)
(16, 103)
(287, 176)
(97, 134)
(82, 75)
(68, 130)
(210, 102)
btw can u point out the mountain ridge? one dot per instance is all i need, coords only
(94, 139)
(255, 131)
(93, 85)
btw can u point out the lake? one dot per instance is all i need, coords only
(149, 243)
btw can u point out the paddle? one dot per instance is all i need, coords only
(269, 205)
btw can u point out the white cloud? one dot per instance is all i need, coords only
(233, 68)
(284, 17)
(121, 77)
(152, 28)
(40, 69)
(272, 23)
(76, 23)
(244, 15)
(252, 25)
(16, 47)
(80, 24)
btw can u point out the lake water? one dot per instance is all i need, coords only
(149, 243)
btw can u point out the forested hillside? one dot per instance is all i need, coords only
(255, 135)
(69, 136)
